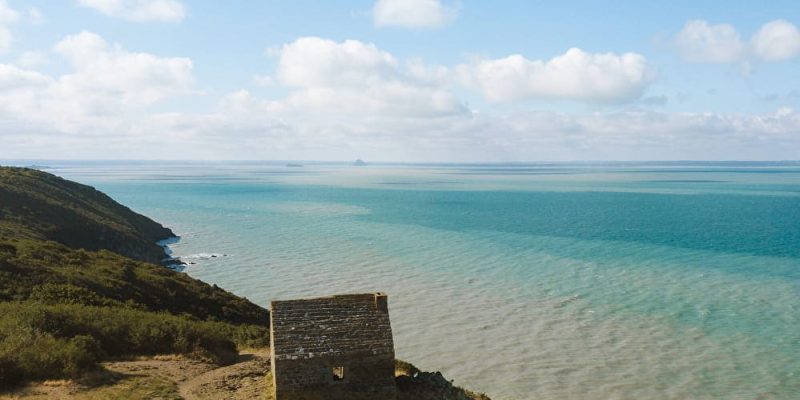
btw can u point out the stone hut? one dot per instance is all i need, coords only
(333, 348)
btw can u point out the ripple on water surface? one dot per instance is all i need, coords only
(534, 298)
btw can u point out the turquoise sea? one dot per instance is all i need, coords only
(535, 281)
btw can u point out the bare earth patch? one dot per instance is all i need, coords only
(161, 377)
(177, 377)
(247, 379)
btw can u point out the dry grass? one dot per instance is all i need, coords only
(175, 377)
(168, 357)
(59, 383)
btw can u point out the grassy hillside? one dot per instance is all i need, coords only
(38, 205)
(51, 273)
(78, 284)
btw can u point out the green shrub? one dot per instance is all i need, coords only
(82, 352)
(38, 355)
(7, 249)
(405, 368)
(61, 293)
(254, 336)
(41, 341)
(10, 374)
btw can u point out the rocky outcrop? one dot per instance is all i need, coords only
(413, 384)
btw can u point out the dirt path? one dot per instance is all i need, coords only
(247, 379)
(162, 378)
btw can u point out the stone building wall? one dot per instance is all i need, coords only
(333, 348)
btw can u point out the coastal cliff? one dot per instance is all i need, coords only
(38, 205)
(82, 298)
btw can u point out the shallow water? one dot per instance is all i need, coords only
(524, 281)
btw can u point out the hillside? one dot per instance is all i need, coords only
(38, 205)
(79, 284)
(52, 273)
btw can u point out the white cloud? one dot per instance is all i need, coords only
(134, 78)
(575, 75)
(8, 16)
(344, 100)
(35, 15)
(412, 13)
(245, 127)
(698, 41)
(6, 38)
(263, 80)
(32, 59)
(139, 10)
(647, 135)
(313, 61)
(107, 85)
(339, 93)
(356, 77)
(13, 78)
(777, 41)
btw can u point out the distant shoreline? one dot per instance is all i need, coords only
(46, 164)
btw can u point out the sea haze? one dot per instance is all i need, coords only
(551, 281)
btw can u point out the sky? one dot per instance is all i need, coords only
(400, 80)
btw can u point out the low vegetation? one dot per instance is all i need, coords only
(51, 273)
(41, 341)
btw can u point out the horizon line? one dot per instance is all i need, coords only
(394, 162)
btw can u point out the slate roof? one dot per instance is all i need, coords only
(343, 325)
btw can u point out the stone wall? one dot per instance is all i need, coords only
(314, 340)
